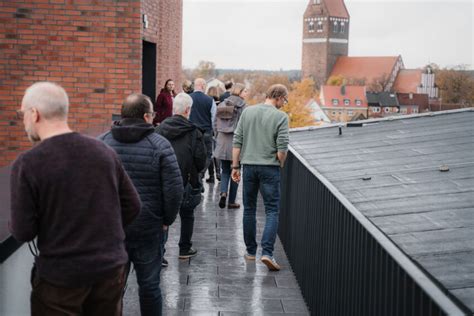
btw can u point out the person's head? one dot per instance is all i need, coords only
(277, 94)
(169, 85)
(228, 85)
(200, 85)
(138, 106)
(44, 104)
(182, 104)
(188, 86)
(213, 92)
(240, 90)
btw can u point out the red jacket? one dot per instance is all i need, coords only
(163, 106)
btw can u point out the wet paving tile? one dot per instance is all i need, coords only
(219, 281)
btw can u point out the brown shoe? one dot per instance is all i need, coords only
(233, 205)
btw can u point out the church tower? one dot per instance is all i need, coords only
(325, 38)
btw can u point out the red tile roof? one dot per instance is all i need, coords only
(369, 68)
(337, 8)
(407, 80)
(419, 99)
(351, 92)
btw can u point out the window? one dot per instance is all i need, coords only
(335, 102)
(376, 109)
(335, 28)
(347, 102)
(333, 112)
(386, 109)
(350, 112)
(316, 1)
(343, 27)
(311, 26)
(404, 111)
(320, 26)
(358, 102)
(415, 110)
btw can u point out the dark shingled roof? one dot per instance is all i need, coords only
(427, 213)
(382, 99)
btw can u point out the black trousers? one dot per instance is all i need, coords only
(187, 227)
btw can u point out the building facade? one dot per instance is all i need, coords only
(344, 103)
(325, 38)
(98, 52)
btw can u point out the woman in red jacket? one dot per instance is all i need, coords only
(164, 103)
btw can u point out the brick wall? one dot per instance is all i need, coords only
(92, 48)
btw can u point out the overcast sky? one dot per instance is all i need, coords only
(267, 34)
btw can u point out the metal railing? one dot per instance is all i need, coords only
(343, 263)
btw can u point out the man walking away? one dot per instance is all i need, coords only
(260, 145)
(203, 114)
(228, 90)
(72, 193)
(150, 162)
(190, 150)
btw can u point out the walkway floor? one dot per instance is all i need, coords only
(219, 281)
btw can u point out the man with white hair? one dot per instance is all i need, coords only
(188, 144)
(203, 115)
(63, 191)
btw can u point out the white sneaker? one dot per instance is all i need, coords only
(271, 263)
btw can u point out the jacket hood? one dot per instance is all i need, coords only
(175, 127)
(131, 130)
(234, 101)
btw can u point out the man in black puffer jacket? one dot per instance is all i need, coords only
(151, 163)
(188, 143)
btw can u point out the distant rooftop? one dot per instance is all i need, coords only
(412, 177)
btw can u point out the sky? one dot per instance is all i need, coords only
(267, 34)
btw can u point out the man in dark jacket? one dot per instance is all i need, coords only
(188, 144)
(203, 114)
(151, 163)
(71, 193)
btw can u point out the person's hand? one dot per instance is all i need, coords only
(235, 175)
(165, 228)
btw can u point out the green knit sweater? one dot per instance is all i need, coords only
(262, 131)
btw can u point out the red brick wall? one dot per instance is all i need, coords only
(92, 48)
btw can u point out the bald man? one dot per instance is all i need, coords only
(203, 114)
(64, 191)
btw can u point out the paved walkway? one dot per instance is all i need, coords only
(219, 281)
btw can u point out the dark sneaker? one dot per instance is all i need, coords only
(233, 205)
(187, 254)
(218, 177)
(210, 180)
(164, 263)
(222, 200)
(271, 263)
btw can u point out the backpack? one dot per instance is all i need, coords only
(227, 117)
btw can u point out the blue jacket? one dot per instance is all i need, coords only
(201, 111)
(151, 163)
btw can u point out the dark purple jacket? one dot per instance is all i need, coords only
(72, 193)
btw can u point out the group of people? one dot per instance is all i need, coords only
(98, 206)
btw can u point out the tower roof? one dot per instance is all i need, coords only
(337, 8)
(408, 80)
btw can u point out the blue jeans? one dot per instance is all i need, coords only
(225, 179)
(146, 258)
(265, 179)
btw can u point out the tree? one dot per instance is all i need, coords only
(456, 86)
(298, 110)
(337, 80)
(205, 69)
(380, 83)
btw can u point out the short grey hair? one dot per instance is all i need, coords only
(181, 103)
(50, 99)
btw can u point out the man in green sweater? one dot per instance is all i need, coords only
(260, 145)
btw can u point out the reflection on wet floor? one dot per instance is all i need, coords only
(219, 281)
